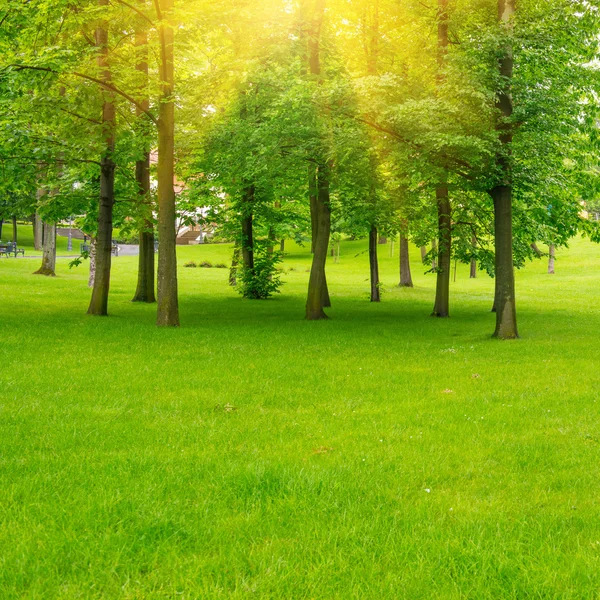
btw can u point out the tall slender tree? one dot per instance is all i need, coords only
(145, 284)
(168, 301)
(99, 301)
(506, 312)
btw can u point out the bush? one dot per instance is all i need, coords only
(190, 265)
(205, 265)
(221, 266)
(264, 280)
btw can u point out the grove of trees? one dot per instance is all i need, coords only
(467, 127)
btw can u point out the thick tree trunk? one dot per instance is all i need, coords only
(405, 274)
(318, 294)
(506, 313)
(145, 284)
(282, 246)
(168, 300)
(423, 254)
(92, 277)
(473, 273)
(99, 301)
(434, 255)
(551, 257)
(442, 293)
(48, 267)
(374, 265)
(15, 230)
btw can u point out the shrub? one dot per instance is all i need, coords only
(191, 264)
(205, 264)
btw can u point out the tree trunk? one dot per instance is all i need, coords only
(405, 274)
(473, 273)
(38, 239)
(1, 223)
(318, 294)
(48, 267)
(537, 251)
(551, 257)
(235, 261)
(15, 230)
(168, 301)
(506, 313)
(248, 230)
(374, 265)
(320, 209)
(282, 246)
(145, 284)
(442, 292)
(313, 201)
(423, 254)
(99, 301)
(92, 277)
(433, 253)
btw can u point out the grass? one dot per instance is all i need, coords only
(251, 454)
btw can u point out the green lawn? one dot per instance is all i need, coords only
(382, 454)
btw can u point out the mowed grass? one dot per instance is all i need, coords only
(251, 454)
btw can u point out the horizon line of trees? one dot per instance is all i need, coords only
(470, 127)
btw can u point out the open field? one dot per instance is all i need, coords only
(251, 454)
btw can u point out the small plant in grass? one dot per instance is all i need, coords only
(221, 266)
(264, 279)
(205, 264)
(190, 265)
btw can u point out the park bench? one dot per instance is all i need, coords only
(10, 248)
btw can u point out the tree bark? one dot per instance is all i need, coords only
(318, 294)
(551, 257)
(506, 313)
(168, 301)
(434, 255)
(535, 248)
(92, 277)
(145, 284)
(1, 223)
(423, 254)
(99, 301)
(442, 293)
(48, 267)
(282, 246)
(15, 230)
(405, 274)
(248, 230)
(374, 265)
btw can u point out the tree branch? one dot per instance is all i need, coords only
(107, 86)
